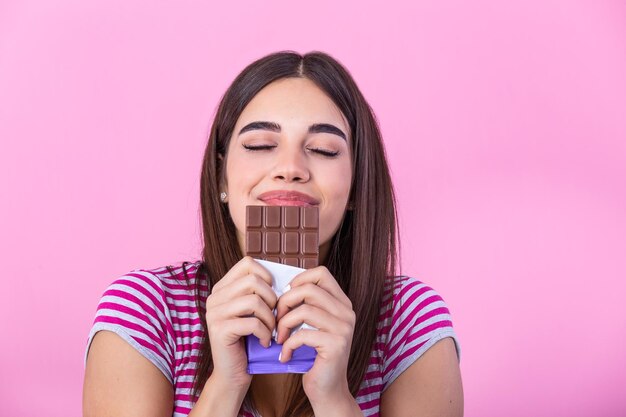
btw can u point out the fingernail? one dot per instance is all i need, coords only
(280, 355)
(287, 288)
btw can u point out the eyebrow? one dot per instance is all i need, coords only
(271, 126)
(275, 127)
(327, 128)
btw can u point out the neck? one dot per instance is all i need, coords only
(270, 393)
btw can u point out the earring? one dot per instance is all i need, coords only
(223, 196)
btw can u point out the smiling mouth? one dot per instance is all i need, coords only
(288, 198)
(283, 202)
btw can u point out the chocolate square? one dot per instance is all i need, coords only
(283, 234)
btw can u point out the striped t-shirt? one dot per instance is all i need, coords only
(156, 313)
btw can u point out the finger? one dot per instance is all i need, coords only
(230, 332)
(309, 294)
(247, 305)
(245, 266)
(312, 316)
(250, 284)
(328, 346)
(321, 277)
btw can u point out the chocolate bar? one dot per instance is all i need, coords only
(283, 234)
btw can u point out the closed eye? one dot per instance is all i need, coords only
(324, 152)
(259, 147)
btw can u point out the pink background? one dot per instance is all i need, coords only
(505, 125)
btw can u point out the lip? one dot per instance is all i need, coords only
(287, 198)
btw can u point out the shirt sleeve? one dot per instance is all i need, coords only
(420, 319)
(134, 308)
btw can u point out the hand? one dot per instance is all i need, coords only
(317, 299)
(240, 304)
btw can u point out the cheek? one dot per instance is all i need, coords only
(241, 175)
(239, 180)
(336, 192)
(337, 183)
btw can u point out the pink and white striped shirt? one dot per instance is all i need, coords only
(156, 313)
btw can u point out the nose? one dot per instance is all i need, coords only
(291, 166)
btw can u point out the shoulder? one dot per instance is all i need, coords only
(156, 284)
(408, 296)
(414, 316)
(140, 306)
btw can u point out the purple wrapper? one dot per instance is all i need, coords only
(262, 360)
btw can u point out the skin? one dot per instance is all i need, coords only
(242, 301)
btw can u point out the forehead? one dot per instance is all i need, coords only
(293, 101)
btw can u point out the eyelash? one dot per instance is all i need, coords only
(323, 152)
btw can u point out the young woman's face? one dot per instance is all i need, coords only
(290, 146)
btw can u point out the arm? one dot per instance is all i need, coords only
(119, 381)
(430, 387)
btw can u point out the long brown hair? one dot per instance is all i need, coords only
(363, 252)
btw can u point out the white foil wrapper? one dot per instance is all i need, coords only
(282, 275)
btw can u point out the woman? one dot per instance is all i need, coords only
(290, 130)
